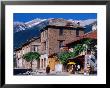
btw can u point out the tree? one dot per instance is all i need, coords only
(86, 44)
(63, 56)
(78, 48)
(30, 56)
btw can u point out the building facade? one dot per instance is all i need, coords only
(53, 37)
(32, 45)
(88, 56)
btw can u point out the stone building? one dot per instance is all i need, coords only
(88, 56)
(32, 45)
(53, 37)
(58, 33)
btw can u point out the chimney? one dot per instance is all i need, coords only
(78, 24)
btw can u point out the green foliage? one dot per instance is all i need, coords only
(78, 49)
(30, 56)
(88, 41)
(64, 56)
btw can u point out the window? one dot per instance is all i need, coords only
(34, 48)
(41, 63)
(44, 45)
(77, 33)
(44, 62)
(60, 44)
(60, 31)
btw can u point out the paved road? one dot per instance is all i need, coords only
(43, 73)
(52, 73)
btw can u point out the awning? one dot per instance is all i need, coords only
(78, 56)
(71, 63)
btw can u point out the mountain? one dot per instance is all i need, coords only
(22, 36)
(83, 22)
(35, 22)
(27, 30)
(87, 24)
(89, 27)
(19, 26)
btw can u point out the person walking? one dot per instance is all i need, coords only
(73, 69)
(78, 68)
(48, 69)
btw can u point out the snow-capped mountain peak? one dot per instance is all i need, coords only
(35, 22)
(83, 22)
(19, 26)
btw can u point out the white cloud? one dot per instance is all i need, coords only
(87, 22)
(83, 22)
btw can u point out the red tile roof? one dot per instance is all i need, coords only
(92, 35)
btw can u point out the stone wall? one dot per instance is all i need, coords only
(21, 63)
(54, 38)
